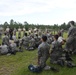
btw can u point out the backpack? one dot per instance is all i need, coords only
(35, 69)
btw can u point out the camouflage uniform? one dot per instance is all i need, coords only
(25, 41)
(7, 31)
(24, 31)
(43, 53)
(13, 47)
(3, 49)
(1, 32)
(56, 52)
(14, 31)
(5, 40)
(32, 43)
(71, 41)
(37, 40)
(19, 33)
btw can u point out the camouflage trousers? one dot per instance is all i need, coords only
(71, 43)
(43, 61)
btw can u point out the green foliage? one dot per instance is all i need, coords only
(15, 24)
(18, 64)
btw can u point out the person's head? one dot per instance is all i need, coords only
(32, 36)
(14, 34)
(2, 43)
(44, 38)
(56, 37)
(5, 33)
(71, 23)
(25, 34)
(36, 35)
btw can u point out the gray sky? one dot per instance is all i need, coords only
(38, 11)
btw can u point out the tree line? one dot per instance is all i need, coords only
(14, 24)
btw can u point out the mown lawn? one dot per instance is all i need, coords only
(18, 64)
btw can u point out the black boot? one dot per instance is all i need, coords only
(61, 63)
(70, 65)
(54, 69)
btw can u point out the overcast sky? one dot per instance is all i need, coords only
(38, 11)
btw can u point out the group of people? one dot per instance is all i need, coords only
(12, 44)
(48, 46)
(58, 55)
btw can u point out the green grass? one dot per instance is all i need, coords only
(18, 64)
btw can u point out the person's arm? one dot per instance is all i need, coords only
(61, 40)
(39, 54)
(70, 30)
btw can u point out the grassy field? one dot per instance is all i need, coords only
(18, 64)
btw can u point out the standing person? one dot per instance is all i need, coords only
(11, 33)
(19, 32)
(71, 40)
(72, 26)
(14, 31)
(24, 30)
(1, 32)
(7, 31)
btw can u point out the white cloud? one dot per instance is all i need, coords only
(25, 7)
(21, 7)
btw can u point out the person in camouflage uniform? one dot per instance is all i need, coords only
(7, 31)
(3, 49)
(43, 52)
(5, 39)
(14, 31)
(32, 42)
(71, 40)
(1, 32)
(12, 48)
(24, 30)
(19, 32)
(57, 50)
(25, 41)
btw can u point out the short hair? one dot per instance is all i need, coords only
(56, 36)
(25, 34)
(2, 43)
(37, 35)
(5, 33)
(44, 37)
(72, 22)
